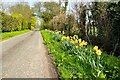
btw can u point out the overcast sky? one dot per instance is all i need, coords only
(31, 2)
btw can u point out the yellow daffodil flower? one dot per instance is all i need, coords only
(63, 32)
(67, 37)
(75, 37)
(57, 32)
(98, 52)
(95, 48)
(83, 43)
(79, 40)
(70, 37)
(63, 38)
(76, 41)
(76, 46)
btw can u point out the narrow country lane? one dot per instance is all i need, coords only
(28, 59)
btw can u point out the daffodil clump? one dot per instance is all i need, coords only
(50, 31)
(58, 32)
(98, 51)
(65, 38)
(76, 59)
(63, 32)
(80, 43)
(75, 40)
(55, 32)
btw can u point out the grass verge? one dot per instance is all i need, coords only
(80, 62)
(7, 35)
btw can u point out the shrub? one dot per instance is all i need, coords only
(33, 23)
(11, 22)
(16, 22)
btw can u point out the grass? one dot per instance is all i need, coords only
(80, 62)
(8, 35)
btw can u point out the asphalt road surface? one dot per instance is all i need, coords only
(28, 59)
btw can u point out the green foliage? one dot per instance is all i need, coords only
(11, 22)
(20, 18)
(16, 22)
(57, 37)
(81, 62)
(67, 46)
(23, 9)
(6, 22)
(60, 22)
(112, 66)
(7, 35)
(24, 24)
(37, 7)
(114, 14)
(47, 16)
(89, 21)
(52, 7)
(46, 26)
(51, 10)
(33, 22)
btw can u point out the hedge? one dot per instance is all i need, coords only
(16, 22)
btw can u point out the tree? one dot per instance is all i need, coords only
(65, 2)
(33, 22)
(58, 22)
(50, 9)
(81, 18)
(26, 12)
(37, 7)
(114, 14)
(22, 9)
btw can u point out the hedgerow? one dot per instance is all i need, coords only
(16, 22)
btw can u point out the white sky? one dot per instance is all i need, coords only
(54, 0)
(31, 2)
